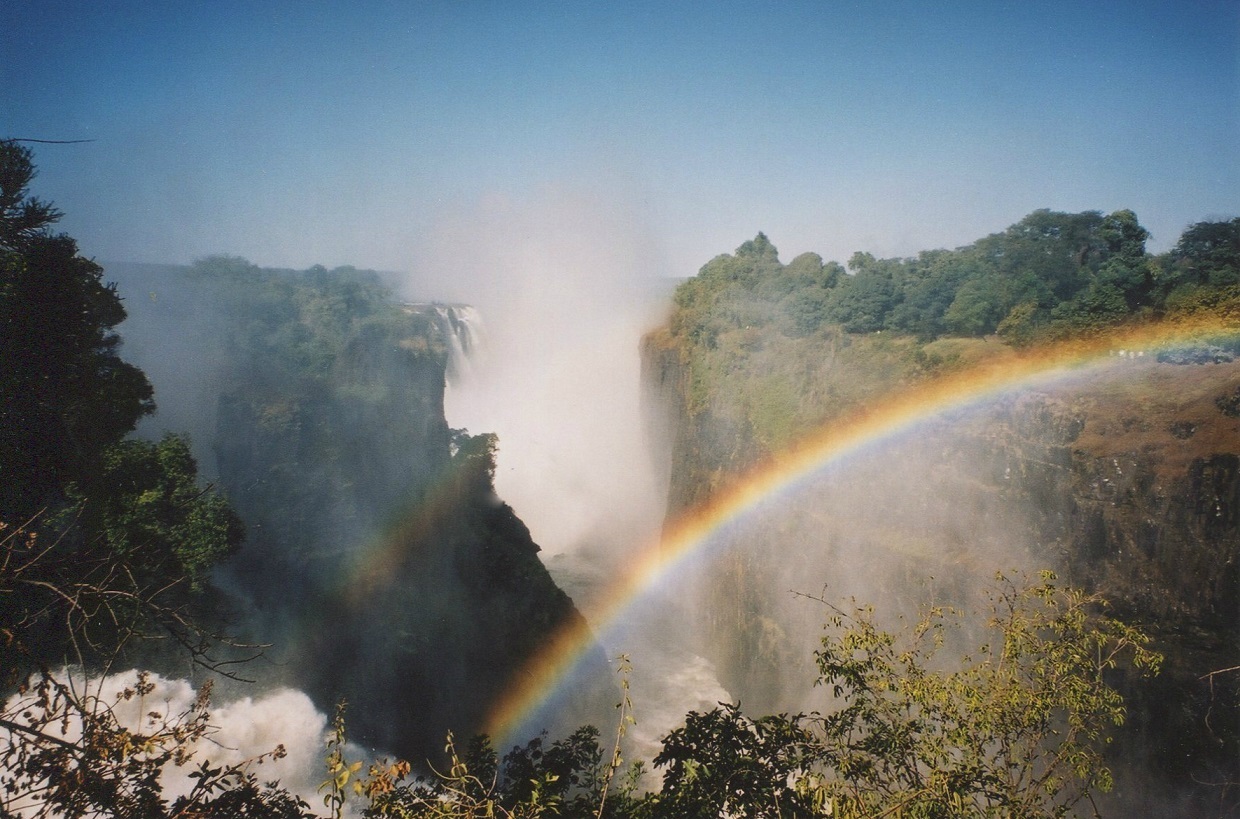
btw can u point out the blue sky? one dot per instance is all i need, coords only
(395, 134)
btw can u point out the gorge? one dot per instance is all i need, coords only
(375, 539)
(382, 568)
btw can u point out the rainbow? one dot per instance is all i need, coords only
(544, 674)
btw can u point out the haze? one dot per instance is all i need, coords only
(297, 133)
(559, 164)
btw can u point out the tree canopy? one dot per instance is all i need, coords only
(1050, 274)
(125, 524)
(65, 392)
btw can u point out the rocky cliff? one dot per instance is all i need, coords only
(1124, 482)
(1134, 478)
(1134, 483)
(379, 565)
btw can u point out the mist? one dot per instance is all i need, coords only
(915, 521)
(244, 730)
(566, 284)
(563, 287)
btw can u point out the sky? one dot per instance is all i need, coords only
(393, 135)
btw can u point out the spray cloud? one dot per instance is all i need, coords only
(566, 284)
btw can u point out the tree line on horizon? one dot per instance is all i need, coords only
(1050, 275)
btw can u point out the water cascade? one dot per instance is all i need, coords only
(462, 330)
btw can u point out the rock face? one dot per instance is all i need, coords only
(1136, 475)
(379, 565)
(1136, 479)
(706, 449)
(1126, 482)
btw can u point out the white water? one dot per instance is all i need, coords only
(463, 331)
(467, 337)
(242, 729)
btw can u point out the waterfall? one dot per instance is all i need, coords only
(463, 333)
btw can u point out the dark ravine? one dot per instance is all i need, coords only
(379, 564)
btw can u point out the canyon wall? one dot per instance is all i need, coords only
(380, 567)
(1122, 479)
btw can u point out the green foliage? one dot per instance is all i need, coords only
(1102, 305)
(928, 288)
(150, 510)
(723, 763)
(863, 300)
(342, 779)
(759, 327)
(977, 307)
(473, 456)
(1208, 254)
(127, 535)
(1223, 302)
(23, 218)
(567, 778)
(295, 326)
(1078, 270)
(65, 393)
(1015, 729)
(1021, 326)
(769, 351)
(752, 289)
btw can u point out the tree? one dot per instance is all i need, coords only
(863, 300)
(1126, 268)
(1055, 250)
(1208, 253)
(928, 287)
(1015, 729)
(722, 763)
(473, 457)
(65, 393)
(155, 513)
(22, 217)
(1020, 326)
(117, 568)
(976, 310)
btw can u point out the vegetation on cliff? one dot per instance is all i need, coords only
(799, 343)
(1125, 483)
(363, 508)
(383, 535)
